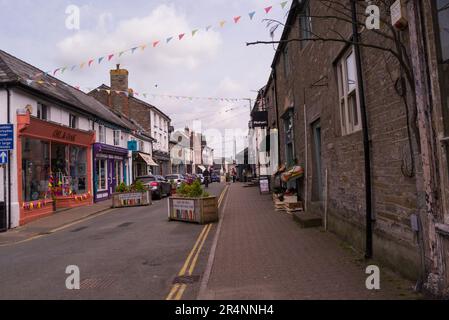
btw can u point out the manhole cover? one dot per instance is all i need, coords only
(97, 283)
(186, 279)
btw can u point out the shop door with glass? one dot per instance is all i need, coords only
(111, 176)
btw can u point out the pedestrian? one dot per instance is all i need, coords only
(234, 175)
(206, 174)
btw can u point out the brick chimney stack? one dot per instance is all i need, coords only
(119, 82)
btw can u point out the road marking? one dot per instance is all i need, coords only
(179, 289)
(95, 215)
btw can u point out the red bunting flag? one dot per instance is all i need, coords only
(90, 62)
(110, 57)
(237, 19)
(155, 43)
(56, 71)
(181, 36)
(268, 9)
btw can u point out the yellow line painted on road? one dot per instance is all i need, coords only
(192, 266)
(179, 289)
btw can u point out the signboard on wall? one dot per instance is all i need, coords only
(6, 137)
(259, 119)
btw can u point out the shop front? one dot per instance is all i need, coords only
(143, 164)
(110, 168)
(54, 167)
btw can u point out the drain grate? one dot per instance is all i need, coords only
(78, 229)
(126, 224)
(186, 279)
(97, 283)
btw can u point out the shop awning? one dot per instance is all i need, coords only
(203, 168)
(148, 159)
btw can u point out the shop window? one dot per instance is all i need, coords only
(102, 134)
(101, 172)
(42, 111)
(73, 121)
(348, 94)
(117, 137)
(35, 170)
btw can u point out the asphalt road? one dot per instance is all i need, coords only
(133, 253)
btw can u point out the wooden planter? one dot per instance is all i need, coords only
(131, 199)
(195, 210)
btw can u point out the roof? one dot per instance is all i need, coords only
(105, 87)
(14, 71)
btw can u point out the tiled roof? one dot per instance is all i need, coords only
(14, 70)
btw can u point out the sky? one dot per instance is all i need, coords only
(213, 63)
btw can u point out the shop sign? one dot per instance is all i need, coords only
(63, 135)
(132, 145)
(259, 119)
(3, 157)
(6, 137)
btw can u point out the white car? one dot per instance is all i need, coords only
(178, 178)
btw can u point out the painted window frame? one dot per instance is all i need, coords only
(349, 123)
(117, 137)
(305, 19)
(101, 133)
(99, 176)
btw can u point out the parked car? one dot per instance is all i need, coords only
(178, 178)
(215, 177)
(158, 185)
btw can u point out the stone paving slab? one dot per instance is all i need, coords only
(263, 254)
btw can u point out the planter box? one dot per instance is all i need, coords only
(195, 210)
(131, 199)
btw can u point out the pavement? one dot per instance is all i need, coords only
(259, 253)
(52, 223)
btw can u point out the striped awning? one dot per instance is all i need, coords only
(148, 159)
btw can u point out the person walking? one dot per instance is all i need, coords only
(206, 174)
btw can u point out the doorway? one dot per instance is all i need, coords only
(317, 180)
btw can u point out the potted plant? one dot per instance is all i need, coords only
(131, 196)
(192, 204)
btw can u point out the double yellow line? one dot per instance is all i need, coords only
(178, 289)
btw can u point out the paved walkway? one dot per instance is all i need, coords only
(48, 224)
(263, 254)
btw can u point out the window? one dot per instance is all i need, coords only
(42, 111)
(141, 146)
(287, 66)
(117, 137)
(443, 20)
(101, 174)
(73, 122)
(305, 24)
(35, 170)
(102, 134)
(348, 94)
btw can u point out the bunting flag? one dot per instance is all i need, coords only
(236, 19)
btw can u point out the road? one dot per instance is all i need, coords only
(133, 253)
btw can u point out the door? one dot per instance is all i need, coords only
(317, 185)
(111, 176)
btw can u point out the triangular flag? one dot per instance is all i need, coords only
(145, 95)
(194, 32)
(121, 54)
(82, 65)
(73, 68)
(181, 36)
(100, 59)
(110, 57)
(90, 62)
(222, 23)
(155, 43)
(54, 72)
(143, 47)
(29, 82)
(251, 15)
(268, 9)
(63, 69)
(77, 88)
(283, 4)
(237, 19)
(40, 82)
(169, 39)
(208, 28)
(133, 49)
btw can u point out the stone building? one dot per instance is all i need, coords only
(317, 104)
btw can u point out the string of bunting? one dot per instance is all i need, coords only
(154, 44)
(137, 94)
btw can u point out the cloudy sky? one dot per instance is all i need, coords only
(213, 63)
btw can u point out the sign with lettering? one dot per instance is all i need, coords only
(264, 185)
(184, 209)
(259, 119)
(6, 137)
(60, 134)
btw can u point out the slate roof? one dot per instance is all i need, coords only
(16, 71)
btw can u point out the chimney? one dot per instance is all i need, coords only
(120, 90)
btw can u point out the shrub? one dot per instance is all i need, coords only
(192, 191)
(122, 187)
(138, 186)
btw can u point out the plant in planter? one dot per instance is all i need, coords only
(193, 204)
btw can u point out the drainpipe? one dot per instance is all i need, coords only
(366, 142)
(277, 112)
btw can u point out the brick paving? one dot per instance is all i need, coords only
(264, 254)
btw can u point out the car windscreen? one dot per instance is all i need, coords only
(172, 177)
(147, 179)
